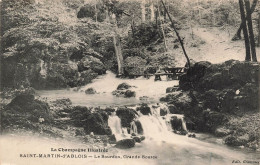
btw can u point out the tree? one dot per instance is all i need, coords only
(152, 11)
(178, 35)
(164, 39)
(143, 10)
(243, 19)
(258, 42)
(250, 29)
(238, 33)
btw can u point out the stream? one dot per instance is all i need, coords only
(160, 142)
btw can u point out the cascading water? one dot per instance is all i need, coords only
(154, 127)
(133, 128)
(179, 116)
(114, 123)
(169, 146)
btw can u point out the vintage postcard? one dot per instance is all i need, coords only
(128, 82)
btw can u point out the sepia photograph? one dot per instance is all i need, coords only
(129, 82)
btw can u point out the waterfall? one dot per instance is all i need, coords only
(154, 127)
(133, 128)
(114, 123)
(179, 116)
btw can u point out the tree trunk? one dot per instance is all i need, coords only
(118, 49)
(96, 12)
(243, 18)
(179, 38)
(237, 36)
(251, 31)
(258, 43)
(133, 27)
(143, 10)
(164, 38)
(152, 12)
(119, 56)
(107, 14)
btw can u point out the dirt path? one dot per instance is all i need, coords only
(219, 47)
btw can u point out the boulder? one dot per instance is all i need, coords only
(221, 132)
(143, 98)
(97, 123)
(192, 135)
(112, 139)
(123, 86)
(139, 127)
(137, 139)
(144, 109)
(212, 120)
(126, 115)
(174, 110)
(176, 123)
(171, 89)
(92, 63)
(163, 112)
(90, 91)
(130, 93)
(24, 111)
(193, 75)
(233, 140)
(22, 101)
(124, 93)
(78, 115)
(125, 144)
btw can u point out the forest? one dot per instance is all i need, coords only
(114, 73)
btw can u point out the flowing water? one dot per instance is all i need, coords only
(160, 141)
(106, 84)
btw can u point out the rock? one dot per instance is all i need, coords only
(171, 89)
(22, 100)
(126, 115)
(192, 135)
(130, 93)
(182, 132)
(112, 139)
(78, 115)
(124, 93)
(232, 141)
(79, 132)
(137, 139)
(144, 109)
(109, 110)
(174, 110)
(123, 86)
(190, 125)
(213, 120)
(90, 91)
(62, 102)
(221, 132)
(24, 112)
(97, 123)
(176, 123)
(139, 127)
(193, 76)
(133, 134)
(93, 63)
(125, 144)
(163, 112)
(144, 98)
